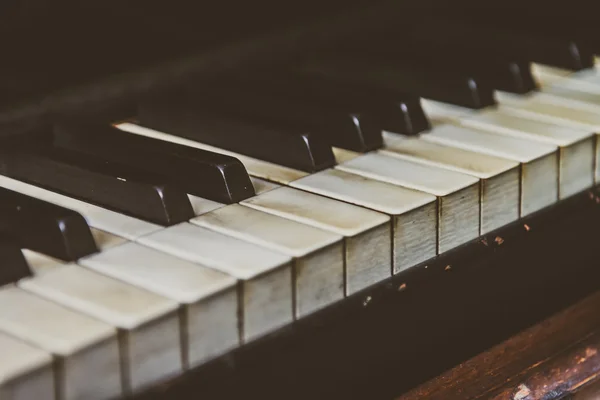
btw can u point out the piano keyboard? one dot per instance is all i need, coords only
(138, 251)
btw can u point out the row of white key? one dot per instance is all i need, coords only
(157, 284)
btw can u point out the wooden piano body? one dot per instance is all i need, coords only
(379, 343)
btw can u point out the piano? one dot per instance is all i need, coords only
(323, 200)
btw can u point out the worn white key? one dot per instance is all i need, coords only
(414, 214)
(539, 162)
(26, 372)
(87, 350)
(568, 112)
(578, 90)
(318, 270)
(546, 75)
(266, 287)
(208, 297)
(261, 186)
(458, 194)
(443, 113)
(97, 217)
(367, 234)
(41, 263)
(202, 206)
(499, 177)
(149, 337)
(105, 240)
(552, 108)
(255, 167)
(576, 146)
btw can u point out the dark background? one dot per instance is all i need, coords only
(72, 57)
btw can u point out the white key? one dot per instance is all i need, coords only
(97, 217)
(414, 213)
(546, 75)
(458, 194)
(258, 168)
(266, 296)
(366, 233)
(202, 206)
(40, 263)
(562, 111)
(443, 113)
(261, 186)
(539, 162)
(88, 364)
(208, 297)
(576, 146)
(318, 270)
(579, 90)
(149, 324)
(105, 240)
(499, 177)
(343, 155)
(25, 371)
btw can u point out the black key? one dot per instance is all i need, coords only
(104, 183)
(13, 266)
(498, 73)
(187, 116)
(446, 86)
(394, 111)
(354, 131)
(347, 116)
(203, 173)
(487, 40)
(45, 227)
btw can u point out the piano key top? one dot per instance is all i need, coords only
(14, 266)
(459, 89)
(149, 336)
(257, 168)
(266, 297)
(97, 217)
(499, 178)
(318, 255)
(366, 233)
(208, 297)
(182, 115)
(45, 227)
(576, 146)
(413, 213)
(26, 372)
(539, 162)
(103, 183)
(86, 349)
(458, 194)
(213, 176)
